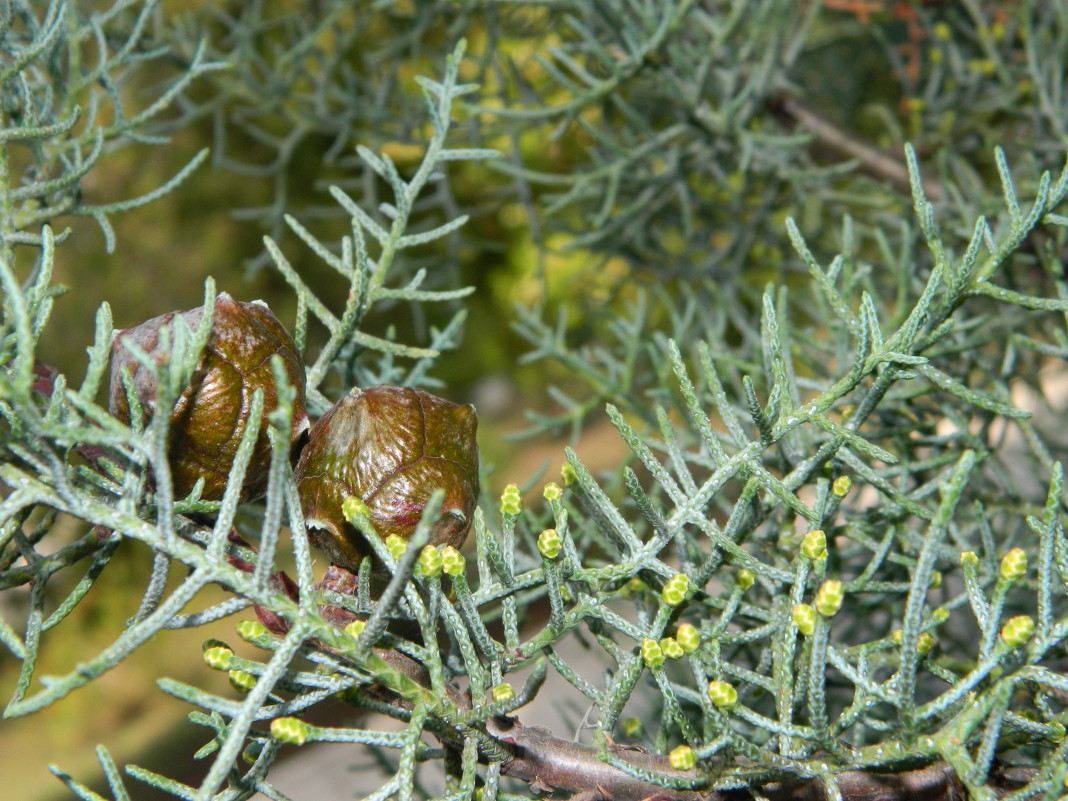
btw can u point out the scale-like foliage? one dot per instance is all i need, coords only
(836, 551)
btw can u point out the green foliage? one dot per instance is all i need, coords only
(837, 543)
(64, 80)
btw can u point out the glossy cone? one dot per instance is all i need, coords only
(210, 416)
(392, 447)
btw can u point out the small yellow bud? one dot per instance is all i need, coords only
(430, 561)
(829, 598)
(396, 545)
(674, 592)
(1014, 565)
(814, 544)
(925, 643)
(651, 653)
(805, 619)
(745, 579)
(549, 543)
(355, 628)
(218, 657)
(502, 692)
(452, 561)
(355, 510)
(632, 727)
(688, 637)
(242, 681)
(671, 648)
(290, 730)
(682, 758)
(511, 501)
(1018, 630)
(841, 486)
(553, 491)
(568, 475)
(969, 559)
(249, 630)
(722, 694)
(936, 579)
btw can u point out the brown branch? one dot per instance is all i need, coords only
(547, 762)
(550, 763)
(873, 161)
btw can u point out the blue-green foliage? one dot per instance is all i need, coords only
(876, 395)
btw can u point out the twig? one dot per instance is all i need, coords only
(551, 763)
(873, 161)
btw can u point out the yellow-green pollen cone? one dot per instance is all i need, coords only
(722, 694)
(688, 637)
(1018, 630)
(814, 544)
(651, 653)
(829, 598)
(1014, 565)
(674, 592)
(291, 731)
(682, 758)
(805, 619)
(511, 500)
(549, 543)
(452, 561)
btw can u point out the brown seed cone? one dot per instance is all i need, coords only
(210, 416)
(392, 447)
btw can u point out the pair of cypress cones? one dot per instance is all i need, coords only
(389, 446)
